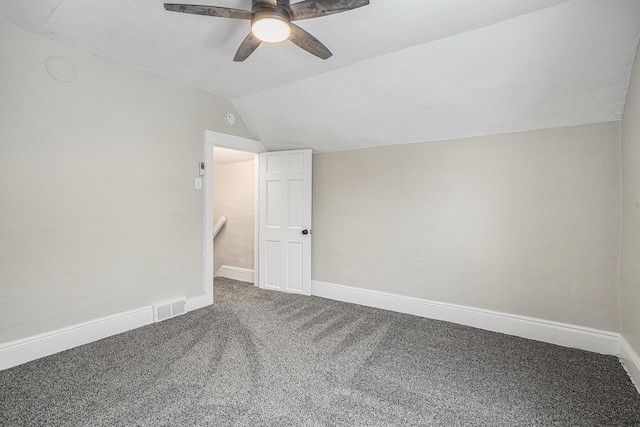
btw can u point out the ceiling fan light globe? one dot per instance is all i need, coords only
(271, 28)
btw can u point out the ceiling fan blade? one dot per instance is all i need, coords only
(308, 42)
(221, 12)
(313, 8)
(248, 46)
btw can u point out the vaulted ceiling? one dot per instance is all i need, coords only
(402, 71)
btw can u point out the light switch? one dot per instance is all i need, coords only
(198, 183)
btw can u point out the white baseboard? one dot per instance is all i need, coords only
(563, 334)
(200, 301)
(236, 273)
(24, 350)
(21, 351)
(630, 361)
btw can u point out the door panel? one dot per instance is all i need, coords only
(285, 214)
(272, 267)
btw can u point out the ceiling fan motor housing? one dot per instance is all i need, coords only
(259, 5)
(272, 14)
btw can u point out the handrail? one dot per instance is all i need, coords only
(218, 226)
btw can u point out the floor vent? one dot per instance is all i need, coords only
(169, 309)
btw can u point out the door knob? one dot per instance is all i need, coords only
(305, 232)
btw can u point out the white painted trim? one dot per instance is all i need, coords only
(236, 273)
(17, 352)
(207, 224)
(256, 220)
(21, 351)
(200, 301)
(233, 142)
(563, 334)
(631, 361)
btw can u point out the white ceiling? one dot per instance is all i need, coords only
(402, 71)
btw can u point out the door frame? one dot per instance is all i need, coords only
(223, 140)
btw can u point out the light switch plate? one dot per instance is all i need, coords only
(198, 183)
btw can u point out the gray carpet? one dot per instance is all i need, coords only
(273, 359)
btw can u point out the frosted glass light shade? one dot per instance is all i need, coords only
(271, 29)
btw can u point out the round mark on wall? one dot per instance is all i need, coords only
(230, 119)
(61, 69)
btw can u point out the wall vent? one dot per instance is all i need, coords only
(169, 309)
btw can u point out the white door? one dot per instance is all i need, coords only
(285, 221)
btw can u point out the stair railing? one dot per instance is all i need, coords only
(216, 228)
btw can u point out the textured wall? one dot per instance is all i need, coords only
(98, 211)
(525, 223)
(233, 198)
(630, 277)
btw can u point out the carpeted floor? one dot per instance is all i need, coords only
(272, 359)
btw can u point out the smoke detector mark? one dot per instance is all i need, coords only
(230, 119)
(61, 69)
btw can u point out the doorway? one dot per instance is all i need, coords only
(282, 215)
(234, 208)
(215, 139)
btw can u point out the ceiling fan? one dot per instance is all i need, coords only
(271, 21)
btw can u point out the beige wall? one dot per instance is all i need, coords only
(233, 198)
(98, 214)
(630, 277)
(525, 223)
(98, 211)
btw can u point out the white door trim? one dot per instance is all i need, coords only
(233, 142)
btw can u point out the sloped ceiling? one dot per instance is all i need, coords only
(402, 71)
